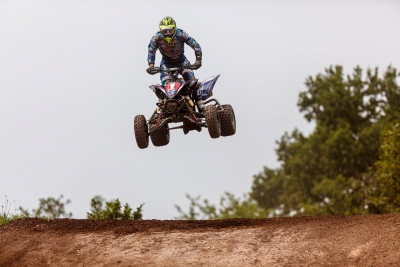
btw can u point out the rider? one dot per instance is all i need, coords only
(170, 40)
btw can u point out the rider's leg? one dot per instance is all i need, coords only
(164, 77)
(188, 74)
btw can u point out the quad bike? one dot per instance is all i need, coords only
(175, 105)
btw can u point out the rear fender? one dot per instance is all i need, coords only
(206, 87)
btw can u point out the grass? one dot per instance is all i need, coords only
(6, 214)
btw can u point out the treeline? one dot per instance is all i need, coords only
(349, 164)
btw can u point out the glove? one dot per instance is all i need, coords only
(199, 56)
(197, 64)
(151, 70)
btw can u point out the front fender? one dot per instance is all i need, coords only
(156, 87)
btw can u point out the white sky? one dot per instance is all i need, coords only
(72, 78)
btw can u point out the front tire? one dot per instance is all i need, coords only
(212, 120)
(141, 131)
(228, 120)
(161, 136)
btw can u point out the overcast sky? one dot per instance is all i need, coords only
(72, 79)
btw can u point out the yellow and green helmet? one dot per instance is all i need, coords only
(168, 28)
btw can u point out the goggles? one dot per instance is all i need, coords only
(168, 31)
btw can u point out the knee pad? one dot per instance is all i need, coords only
(165, 80)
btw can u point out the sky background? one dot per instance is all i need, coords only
(72, 79)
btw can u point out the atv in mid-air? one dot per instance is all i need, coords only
(176, 105)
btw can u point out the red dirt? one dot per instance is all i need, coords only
(368, 240)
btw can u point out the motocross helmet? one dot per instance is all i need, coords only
(168, 28)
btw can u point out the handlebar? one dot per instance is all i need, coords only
(157, 69)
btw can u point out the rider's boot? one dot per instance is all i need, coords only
(196, 95)
(200, 105)
(194, 86)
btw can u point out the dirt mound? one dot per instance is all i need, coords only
(372, 240)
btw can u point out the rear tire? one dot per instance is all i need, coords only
(228, 120)
(212, 120)
(161, 136)
(141, 131)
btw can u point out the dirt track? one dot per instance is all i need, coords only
(303, 241)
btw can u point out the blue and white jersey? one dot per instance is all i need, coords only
(172, 51)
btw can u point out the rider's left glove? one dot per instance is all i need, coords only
(197, 64)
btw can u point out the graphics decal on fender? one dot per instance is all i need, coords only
(173, 88)
(206, 87)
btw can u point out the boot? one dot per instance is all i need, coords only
(200, 105)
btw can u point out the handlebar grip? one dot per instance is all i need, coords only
(153, 71)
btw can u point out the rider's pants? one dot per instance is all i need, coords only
(186, 73)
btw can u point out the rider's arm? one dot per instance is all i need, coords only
(190, 41)
(152, 49)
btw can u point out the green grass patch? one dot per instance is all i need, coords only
(8, 214)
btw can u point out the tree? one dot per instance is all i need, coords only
(230, 207)
(49, 208)
(385, 196)
(334, 170)
(329, 171)
(112, 210)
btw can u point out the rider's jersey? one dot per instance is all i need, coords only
(172, 51)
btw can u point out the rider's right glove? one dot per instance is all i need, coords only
(199, 56)
(151, 70)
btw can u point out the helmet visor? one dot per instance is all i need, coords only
(168, 32)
